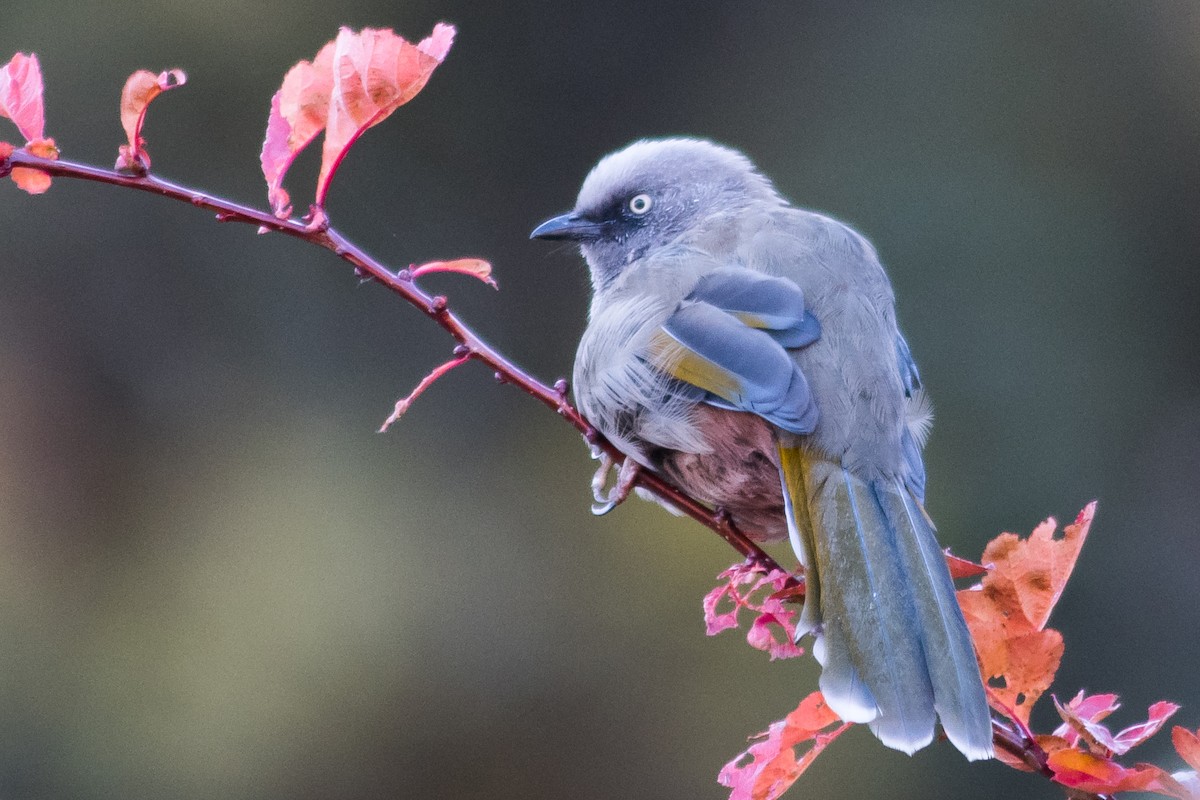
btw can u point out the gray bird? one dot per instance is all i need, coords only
(748, 351)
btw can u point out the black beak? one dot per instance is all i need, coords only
(569, 226)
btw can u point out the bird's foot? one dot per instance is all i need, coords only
(608, 499)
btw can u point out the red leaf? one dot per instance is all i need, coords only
(963, 568)
(1091, 773)
(21, 95)
(374, 73)
(772, 766)
(475, 267)
(140, 89)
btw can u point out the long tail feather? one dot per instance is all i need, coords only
(891, 639)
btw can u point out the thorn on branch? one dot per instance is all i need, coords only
(500, 377)
(405, 403)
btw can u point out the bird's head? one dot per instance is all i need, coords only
(653, 193)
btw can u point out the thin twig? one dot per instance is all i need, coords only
(432, 306)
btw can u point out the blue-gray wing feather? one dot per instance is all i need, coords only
(775, 305)
(769, 382)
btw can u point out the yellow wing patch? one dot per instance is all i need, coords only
(687, 365)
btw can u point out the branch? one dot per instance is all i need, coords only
(470, 346)
(316, 230)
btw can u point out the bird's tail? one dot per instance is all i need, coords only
(890, 637)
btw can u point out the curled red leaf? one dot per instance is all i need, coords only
(475, 267)
(140, 89)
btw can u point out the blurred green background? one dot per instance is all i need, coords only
(216, 579)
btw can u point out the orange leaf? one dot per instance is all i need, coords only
(35, 181)
(1187, 744)
(1033, 572)
(374, 73)
(812, 715)
(1007, 612)
(475, 267)
(140, 89)
(1091, 773)
(21, 95)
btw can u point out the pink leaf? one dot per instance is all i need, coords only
(299, 111)
(140, 89)
(746, 586)
(21, 95)
(374, 73)
(1085, 709)
(715, 622)
(766, 769)
(1097, 735)
(1134, 735)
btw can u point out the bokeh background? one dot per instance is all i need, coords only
(218, 581)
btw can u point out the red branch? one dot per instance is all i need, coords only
(469, 347)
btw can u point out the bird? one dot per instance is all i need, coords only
(748, 350)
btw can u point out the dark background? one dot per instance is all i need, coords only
(216, 579)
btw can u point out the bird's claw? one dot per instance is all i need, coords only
(607, 500)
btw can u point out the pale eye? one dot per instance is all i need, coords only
(640, 203)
